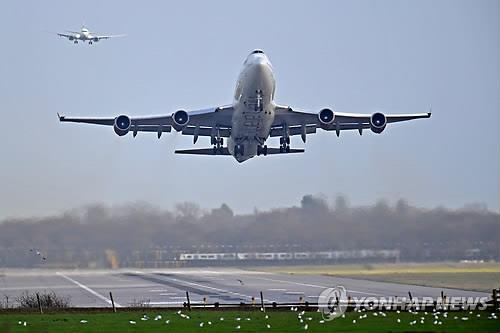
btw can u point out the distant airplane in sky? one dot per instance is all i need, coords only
(84, 35)
(250, 120)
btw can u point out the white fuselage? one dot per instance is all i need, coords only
(253, 107)
(84, 35)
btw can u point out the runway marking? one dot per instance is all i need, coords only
(208, 287)
(84, 287)
(158, 290)
(276, 289)
(168, 294)
(312, 285)
(295, 293)
(172, 303)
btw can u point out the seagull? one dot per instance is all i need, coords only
(240, 281)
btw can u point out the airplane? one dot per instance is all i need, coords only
(84, 35)
(250, 120)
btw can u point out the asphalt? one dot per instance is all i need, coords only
(167, 287)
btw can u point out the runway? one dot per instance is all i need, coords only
(167, 287)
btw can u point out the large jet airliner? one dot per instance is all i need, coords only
(250, 120)
(84, 35)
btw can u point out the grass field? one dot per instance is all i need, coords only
(479, 277)
(253, 321)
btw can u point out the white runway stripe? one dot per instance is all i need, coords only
(93, 292)
(311, 285)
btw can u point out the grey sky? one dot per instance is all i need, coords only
(354, 56)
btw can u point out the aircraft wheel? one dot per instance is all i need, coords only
(265, 150)
(287, 149)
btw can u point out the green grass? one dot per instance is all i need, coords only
(280, 321)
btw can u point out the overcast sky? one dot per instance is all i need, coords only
(352, 56)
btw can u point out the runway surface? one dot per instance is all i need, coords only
(167, 287)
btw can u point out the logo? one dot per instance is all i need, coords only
(332, 302)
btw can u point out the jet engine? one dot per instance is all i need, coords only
(180, 119)
(122, 125)
(326, 116)
(71, 38)
(378, 122)
(95, 39)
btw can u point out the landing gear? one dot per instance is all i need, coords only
(262, 150)
(285, 141)
(218, 145)
(217, 141)
(90, 42)
(285, 149)
(75, 42)
(285, 144)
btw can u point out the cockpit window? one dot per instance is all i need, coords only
(257, 51)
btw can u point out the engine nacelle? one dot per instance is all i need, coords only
(71, 37)
(95, 39)
(378, 122)
(122, 125)
(326, 116)
(181, 119)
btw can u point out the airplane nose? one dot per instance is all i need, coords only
(261, 60)
(260, 63)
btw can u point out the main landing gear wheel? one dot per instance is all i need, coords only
(215, 141)
(284, 141)
(285, 149)
(218, 145)
(285, 144)
(262, 150)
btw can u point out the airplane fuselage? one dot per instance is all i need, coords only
(253, 107)
(84, 35)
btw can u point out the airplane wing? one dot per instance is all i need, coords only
(225, 151)
(99, 37)
(298, 122)
(198, 122)
(66, 35)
